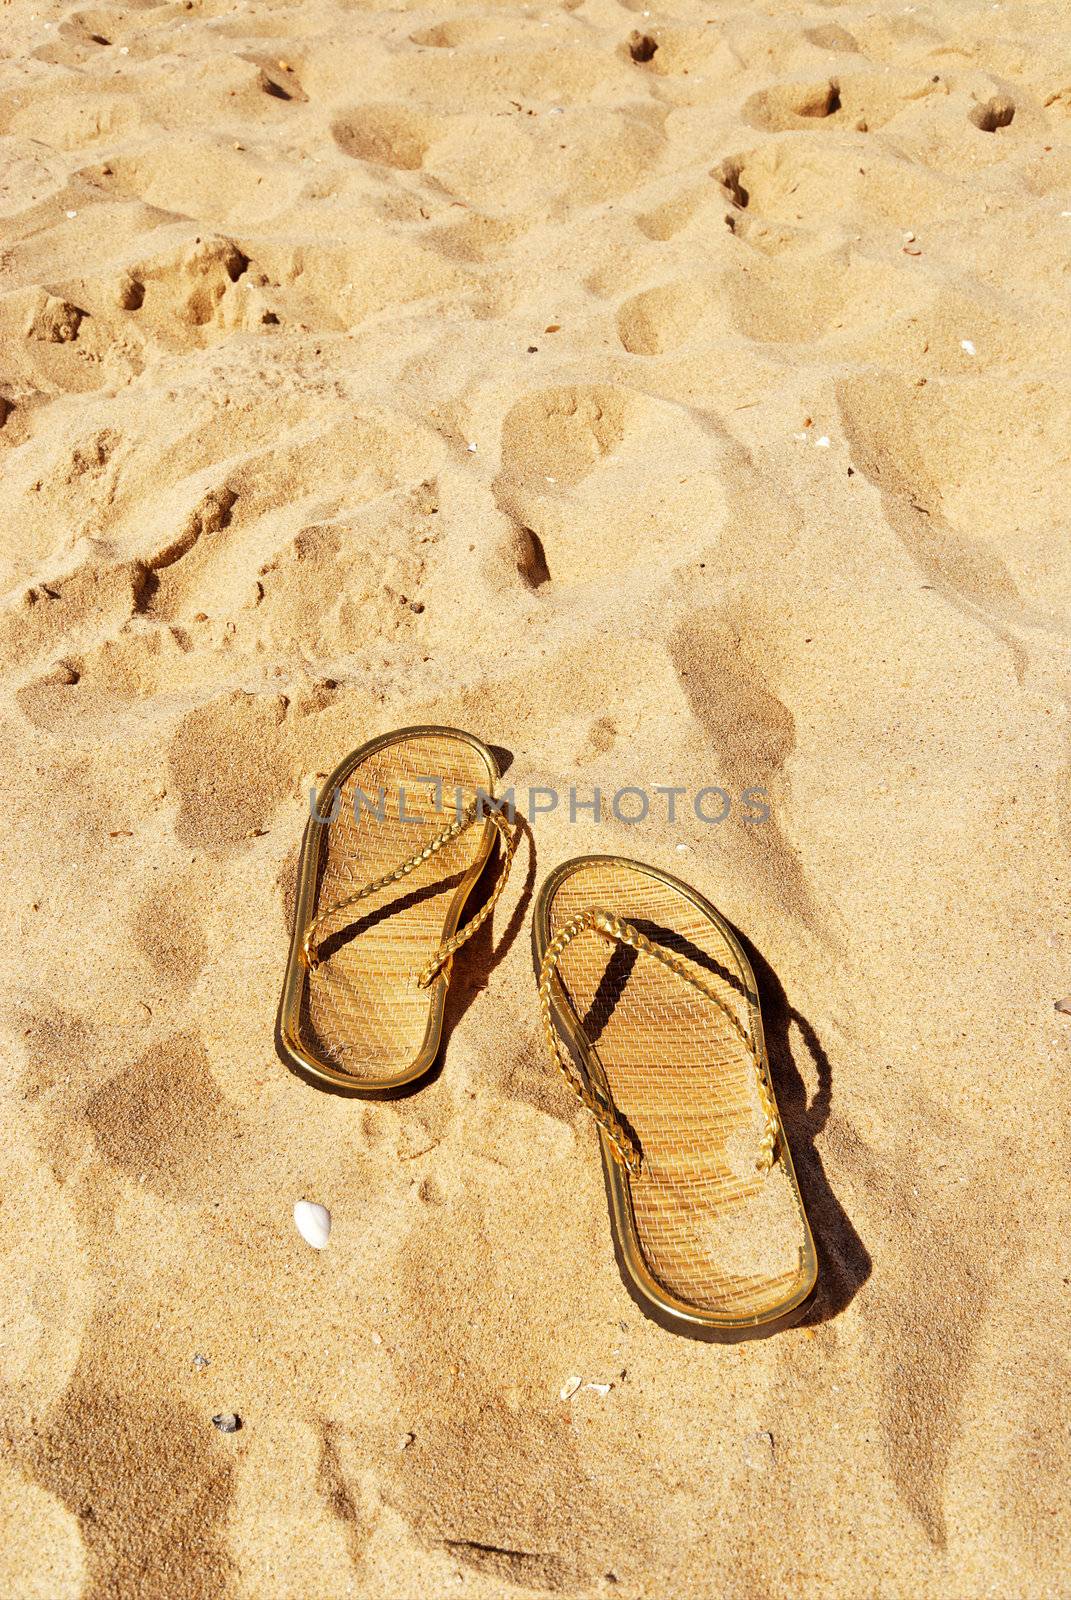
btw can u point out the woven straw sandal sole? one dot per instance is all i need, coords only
(380, 893)
(652, 1014)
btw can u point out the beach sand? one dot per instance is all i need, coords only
(670, 397)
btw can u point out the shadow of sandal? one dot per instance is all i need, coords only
(483, 952)
(844, 1261)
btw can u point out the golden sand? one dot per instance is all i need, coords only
(671, 397)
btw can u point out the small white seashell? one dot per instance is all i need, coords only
(599, 1388)
(822, 443)
(313, 1222)
(968, 345)
(72, 213)
(472, 447)
(909, 237)
(569, 1388)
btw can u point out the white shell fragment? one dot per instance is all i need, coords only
(968, 346)
(313, 1222)
(599, 1388)
(569, 1388)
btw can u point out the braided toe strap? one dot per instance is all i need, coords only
(445, 953)
(623, 1146)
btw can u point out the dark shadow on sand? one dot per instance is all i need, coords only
(843, 1260)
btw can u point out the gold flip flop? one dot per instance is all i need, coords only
(657, 1004)
(401, 832)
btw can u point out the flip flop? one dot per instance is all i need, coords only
(398, 837)
(657, 1004)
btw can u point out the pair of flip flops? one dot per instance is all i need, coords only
(648, 1004)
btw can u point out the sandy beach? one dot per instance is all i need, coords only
(675, 398)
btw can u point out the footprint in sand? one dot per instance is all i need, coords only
(202, 181)
(188, 295)
(674, 316)
(450, 1492)
(911, 443)
(209, 267)
(827, 295)
(832, 36)
(460, 31)
(573, 460)
(56, 615)
(98, 1452)
(388, 135)
(167, 932)
(231, 766)
(665, 221)
(164, 1123)
(787, 192)
(856, 101)
(925, 1369)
